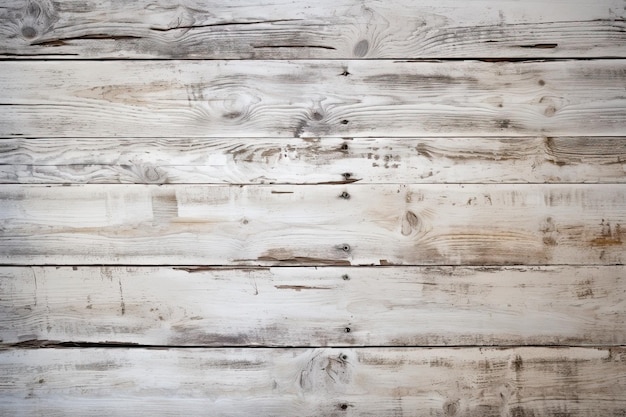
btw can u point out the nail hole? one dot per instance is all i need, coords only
(348, 330)
(347, 175)
(345, 247)
(344, 147)
(344, 406)
(344, 122)
(345, 73)
(345, 277)
(344, 357)
(345, 195)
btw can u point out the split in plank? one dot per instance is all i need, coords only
(312, 98)
(324, 29)
(580, 382)
(330, 306)
(313, 160)
(334, 225)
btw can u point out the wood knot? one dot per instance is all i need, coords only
(29, 32)
(345, 277)
(451, 408)
(410, 222)
(35, 19)
(345, 195)
(361, 48)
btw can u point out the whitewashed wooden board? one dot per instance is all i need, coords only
(312, 224)
(376, 306)
(311, 98)
(254, 29)
(313, 160)
(314, 382)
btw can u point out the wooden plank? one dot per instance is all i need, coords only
(325, 160)
(324, 29)
(312, 224)
(314, 382)
(399, 306)
(312, 98)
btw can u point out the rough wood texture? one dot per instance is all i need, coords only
(302, 29)
(315, 306)
(314, 382)
(325, 160)
(312, 225)
(311, 98)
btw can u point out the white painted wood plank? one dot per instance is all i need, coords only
(312, 98)
(326, 160)
(314, 382)
(301, 29)
(312, 224)
(381, 306)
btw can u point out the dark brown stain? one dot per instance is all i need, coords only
(300, 287)
(606, 241)
(609, 235)
(384, 262)
(549, 241)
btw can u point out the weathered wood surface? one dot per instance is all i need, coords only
(399, 306)
(318, 160)
(314, 382)
(323, 29)
(312, 98)
(312, 224)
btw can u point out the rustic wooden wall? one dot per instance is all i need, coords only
(328, 208)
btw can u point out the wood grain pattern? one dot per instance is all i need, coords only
(252, 29)
(313, 161)
(312, 225)
(311, 99)
(396, 306)
(315, 382)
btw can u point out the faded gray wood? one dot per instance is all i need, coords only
(317, 160)
(474, 382)
(312, 224)
(302, 29)
(399, 306)
(311, 98)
